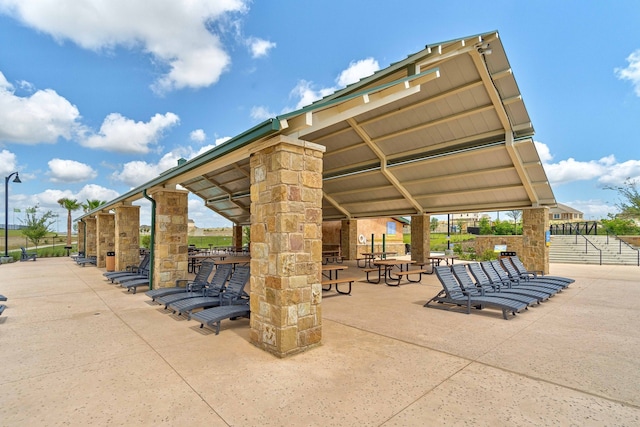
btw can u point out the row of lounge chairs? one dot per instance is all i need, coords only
(2, 306)
(222, 298)
(505, 285)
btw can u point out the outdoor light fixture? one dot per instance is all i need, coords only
(6, 210)
(484, 49)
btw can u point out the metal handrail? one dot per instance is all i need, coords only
(586, 245)
(620, 242)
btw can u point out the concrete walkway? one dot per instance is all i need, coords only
(76, 350)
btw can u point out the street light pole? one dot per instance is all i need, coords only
(6, 210)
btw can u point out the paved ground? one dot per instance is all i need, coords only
(78, 351)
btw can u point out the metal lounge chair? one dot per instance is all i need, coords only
(513, 274)
(197, 284)
(522, 271)
(217, 285)
(233, 294)
(501, 277)
(25, 256)
(468, 285)
(213, 316)
(129, 269)
(482, 279)
(453, 294)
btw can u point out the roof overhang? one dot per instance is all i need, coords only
(443, 131)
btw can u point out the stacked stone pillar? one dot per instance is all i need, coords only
(237, 236)
(420, 238)
(286, 246)
(535, 251)
(171, 253)
(349, 239)
(127, 234)
(82, 232)
(92, 237)
(106, 237)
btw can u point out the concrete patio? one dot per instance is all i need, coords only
(77, 350)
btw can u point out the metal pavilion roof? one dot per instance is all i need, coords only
(445, 130)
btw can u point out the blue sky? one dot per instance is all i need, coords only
(99, 97)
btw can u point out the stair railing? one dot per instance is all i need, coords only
(588, 242)
(620, 242)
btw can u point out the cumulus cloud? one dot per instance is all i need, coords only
(632, 71)
(261, 113)
(357, 70)
(198, 135)
(606, 170)
(123, 135)
(307, 93)
(8, 162)
(43, 117)
(70, 171)
(176, 33)
(259, 47)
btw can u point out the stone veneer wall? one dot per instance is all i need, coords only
(105, 226)
(92, 248)
(349, 238)
(127, 236)
(286, 246)
(171, 248)
(81, 235)
(420, 238)
(535, 251)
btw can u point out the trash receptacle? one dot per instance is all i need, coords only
(111, 261)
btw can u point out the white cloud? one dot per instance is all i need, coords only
(357, 70)
(606, 171)
(43, 117)
(198, 135)
(307, 94)
(176, 33)
(261, 113)
(123, 135)
(632, 71)
(8, 162)
(70, 171)
(259, 47)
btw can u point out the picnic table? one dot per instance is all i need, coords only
(330, 272)
(393, 270)
(195, 259)
(327, 255)
(370, 257)
(437, 259)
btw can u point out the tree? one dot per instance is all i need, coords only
(515, 215)
(37, 227)
(630, 204)
(434, 223)
(485, 226)
(92, 204)
(69, 205)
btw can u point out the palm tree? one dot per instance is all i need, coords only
(92, 204)
(69, 205)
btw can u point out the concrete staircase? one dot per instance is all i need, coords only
(576, 250)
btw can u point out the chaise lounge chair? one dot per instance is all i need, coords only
(475, 289)
(213, 316)
(25, 256)
(217, 285)
(513, 275)
(482, 279)
(523, 272)
(182, 285)
(129, 269)
(233, 294)
(496, 273)
(453, 294)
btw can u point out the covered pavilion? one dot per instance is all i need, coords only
(444, 130)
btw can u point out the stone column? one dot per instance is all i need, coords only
(236, 240)
(127, 236)
(92, 237)
(349, 238)
(286, 246)
(535, 252)
(106, 232)
(420, 238)
(170, 256)
(81, 235)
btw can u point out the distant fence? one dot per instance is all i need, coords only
(584, 228)
(13, 227)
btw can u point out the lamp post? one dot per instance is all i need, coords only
(6, 210)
